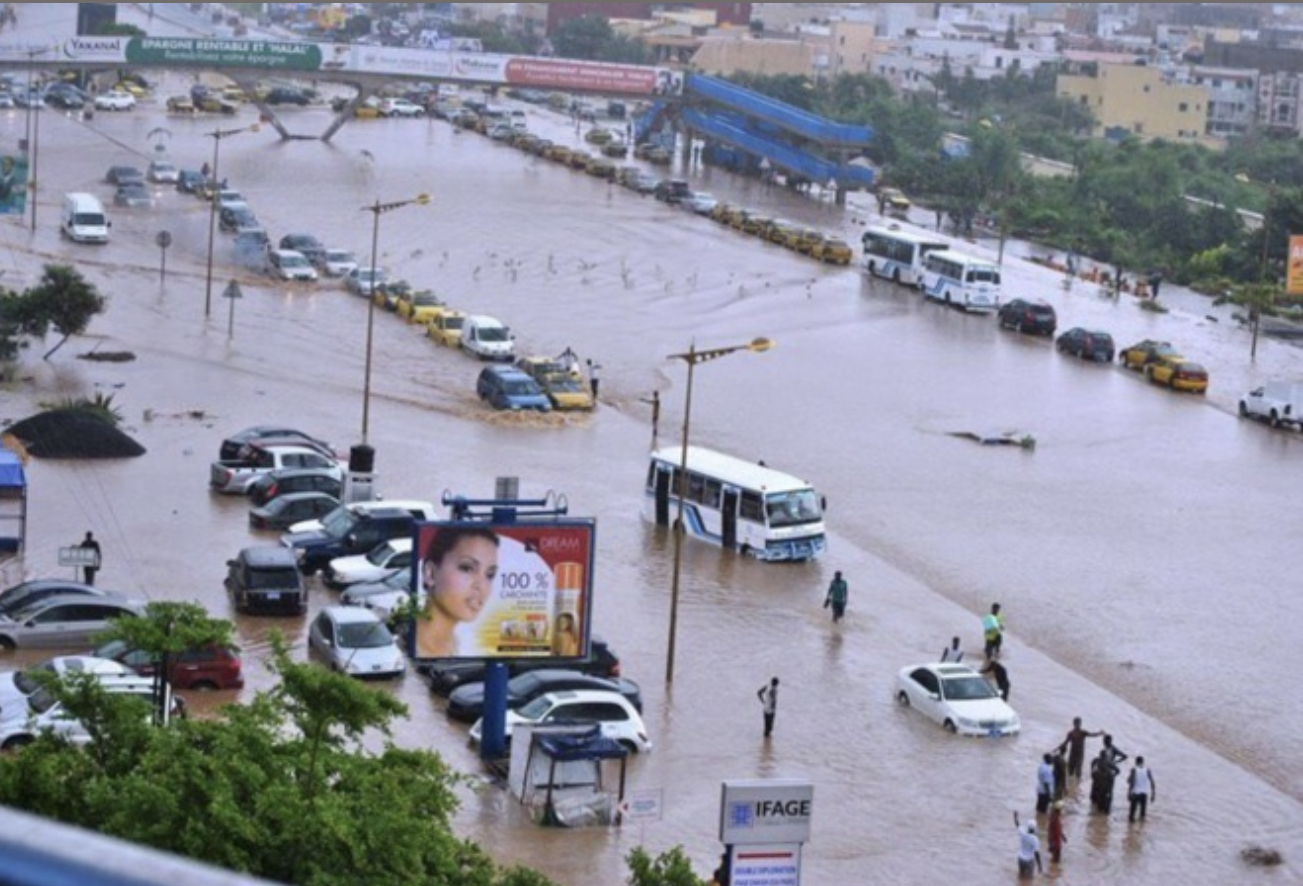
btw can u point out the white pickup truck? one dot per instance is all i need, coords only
(236, 476)
(1277, 403)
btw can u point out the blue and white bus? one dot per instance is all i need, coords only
(962, 280)
(738, 505)
(897, 255)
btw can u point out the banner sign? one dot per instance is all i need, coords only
(765, 811)
(13, 184)
(765, 865)
(265, 55)
(1294, 266)
(503, 591)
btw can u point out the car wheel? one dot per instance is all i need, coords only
(902, 697)
(628, 746)
(895, 276)
(1275, 419)
(205, 686)
(1244, 410)
(6, 643)
(950, 726)
(16, 742)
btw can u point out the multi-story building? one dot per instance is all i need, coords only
(1232, 99)
(1139, 100)
(1279, 97)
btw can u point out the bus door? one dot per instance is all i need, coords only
(728, 518)
(662, 497)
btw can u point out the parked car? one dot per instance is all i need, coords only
(957, 697)
(24, 594)
(65, 620)
(417, 306)
(209, 667)
(284, 511)
(447, 675)
(17, 685)
(236, 217)
(400, 107)
(65, 96)
(1178, 374)
(1088, 344)
(564, 389)
(505, 387)
(445, 326)
(284, 95)
(265, 578)
(306, 244)
(364, 281)
(181, 104)
(672, 190)
(44, 713)
(231, 446)
(133, 196)
(290, 265)
(124, 175)
(338, 262)
(274, 484)
(1142, 353)
(115, 100)
(618, 719)
(832, 250)
(162, 172)
(397, 582)
(345, 534)
(466, 703)
(700, 202)
(189, 181)
(354, 641)
(376, 564)
(487, 338)
(1031, 316)
(1276, 402)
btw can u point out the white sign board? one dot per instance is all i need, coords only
(765, 811)
(645, 805)
(766, 866)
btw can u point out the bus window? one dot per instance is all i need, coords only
(711, 495)
(696, 488)
(751, 507)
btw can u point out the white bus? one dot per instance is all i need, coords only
(897, 255)
(962, 280)
(736, 504)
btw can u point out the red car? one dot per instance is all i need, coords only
(213, 667)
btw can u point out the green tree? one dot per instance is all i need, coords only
(282, 788)
(671, 868)
(62, 299)
(591, 37)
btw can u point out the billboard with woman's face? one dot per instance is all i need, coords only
(517, 590)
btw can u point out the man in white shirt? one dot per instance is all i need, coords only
(1029, 849)
(952, 653)
(1141, 789)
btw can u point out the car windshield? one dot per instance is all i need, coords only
(380, 554)
(793, 508)
(371, 635)
(293, 261)
(339, 256)
(453, 322)
(29, 681)
(339, 522)
(520, 388)
(427, 299)
(536, 708)
(491, 333)
(967, 689)
(41, 701)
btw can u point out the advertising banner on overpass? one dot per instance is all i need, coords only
(323, 59)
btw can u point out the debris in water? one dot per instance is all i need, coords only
(999, 438)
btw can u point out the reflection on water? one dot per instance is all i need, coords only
(1143, 537)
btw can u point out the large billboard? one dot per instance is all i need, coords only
(13, 184)
(1294, 266)
(504, 591)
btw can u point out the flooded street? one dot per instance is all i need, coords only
(1141, 551)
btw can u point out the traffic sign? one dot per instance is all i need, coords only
(232, 290)
(645, 805)
(163, 239)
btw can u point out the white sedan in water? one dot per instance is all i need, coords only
(115, 100)
(355, 641)
(957, 697)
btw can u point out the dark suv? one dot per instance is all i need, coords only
(265, 578)
(352, 534)
(287, 480)
(672, 190)
(447, 675)
(1026, 315)
(1088, 344)
(311, 248)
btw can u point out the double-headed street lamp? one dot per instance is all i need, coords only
(692, 358)
(377, 209)
(216, 135)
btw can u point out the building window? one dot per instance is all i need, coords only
(1183, 107)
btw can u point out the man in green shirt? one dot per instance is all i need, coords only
(837, 594)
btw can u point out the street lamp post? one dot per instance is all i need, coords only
(377, 209)
(33, 134)
(692, 357)
(216, 135)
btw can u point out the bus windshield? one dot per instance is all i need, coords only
(793, 508)
(983, 275)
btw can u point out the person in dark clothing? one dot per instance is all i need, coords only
(768, 695)
(1104, 771)
(837, 595)
(999, 674)
(88, 571)
(1075, 744)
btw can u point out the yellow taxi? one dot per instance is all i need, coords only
(894, 201)
(780, 231)
(417, 307)
(600, 167)
(832, 250)
(1178, 374)
(566, 390)
(721, 212)
(756, 224)
(1143, 353)
(803, 240)
(181, 104)
(444, 326)
(559, 153)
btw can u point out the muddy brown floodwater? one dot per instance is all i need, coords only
(1142, 551)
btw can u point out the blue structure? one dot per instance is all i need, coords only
(747, 131)
(13, 504)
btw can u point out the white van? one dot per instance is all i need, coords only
(487, 338)
(84, 220)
